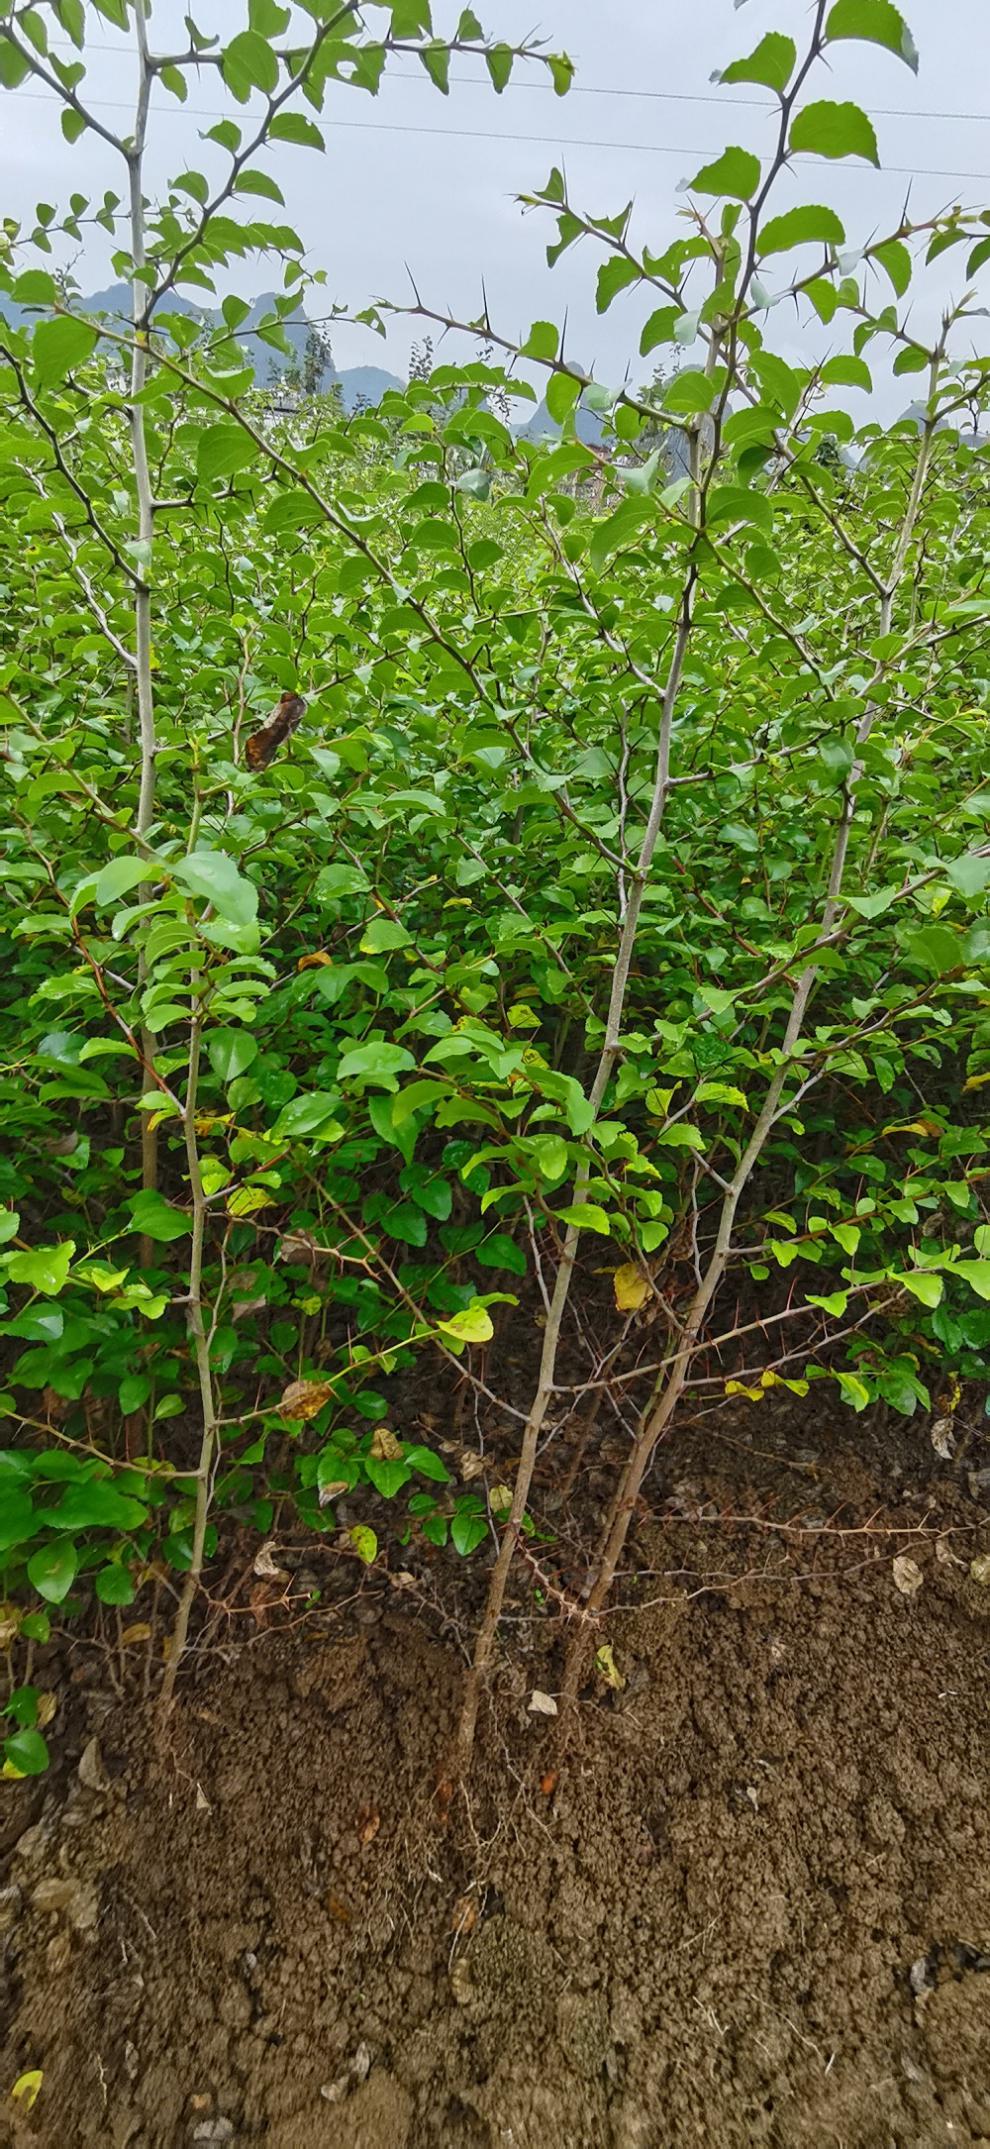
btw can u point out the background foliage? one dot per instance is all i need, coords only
(618, 905)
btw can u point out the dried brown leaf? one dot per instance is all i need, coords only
(303, 1399)
(384, 1446)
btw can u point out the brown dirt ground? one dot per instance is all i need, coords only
(702, 1932)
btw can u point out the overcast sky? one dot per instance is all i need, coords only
(411, 176)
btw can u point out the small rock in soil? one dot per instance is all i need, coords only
(10, 1905)
(90, 1772)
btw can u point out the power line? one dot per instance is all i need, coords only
(476, 134)
(753, 104)
(599, 89)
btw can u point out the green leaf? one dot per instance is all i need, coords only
(854, 1391)
(873, 906)
(894, 257)
(563, 392)
(261, 184)
(114, 1585)
(976, 1274)
(13, 66)
(876, 22)
(382, 934)
(18, 1520)
(26, 1752)
(312, 1114)
(550, 1154)
(586, 1216)
(173, 79)
(501, 1252)
(911, 360)
(809, 226)
(772, 63)
(214, 877)
(154, 1218)
(436, 60)
(95, 1505)
(52, 1571)
(935, 948)
(721, 1093)
(735, 173)
(365, 1543)
(834, 130)
(660, 328)
(378, 1062)
(292, 510)
(248, 63)
(224, 449)
(10, 1224)
(59, 346)
(498, 60)
(681, 1136)
(387, 1478)
(615, 275)
(542, 341)
(923, 1285)
(267, 18)
(969, 875)
(472, 1325)
(296, 128)
(43, 1268)
(428, 1465)
(620, 528)
(468, 1530)
(846, 372)
(35, 288)
(118, 878)
(231, 1053)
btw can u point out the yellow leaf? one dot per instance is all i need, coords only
(500, 1499)
(208, 1122)
(738, 1387)
(607, 1668)
(474, 1325)
(977, 1081)
(913, 1126)
(26, 2087)
(630, 1286)
(365, 1543)
(245, 1199)
(140, 1632)
(10, 1624)
(315, 962)
(12, 1773)
(46, 1708)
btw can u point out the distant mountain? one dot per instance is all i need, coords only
(364, 384)
(357, 384)
(587, 425)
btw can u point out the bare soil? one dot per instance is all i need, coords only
(750, 1906)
